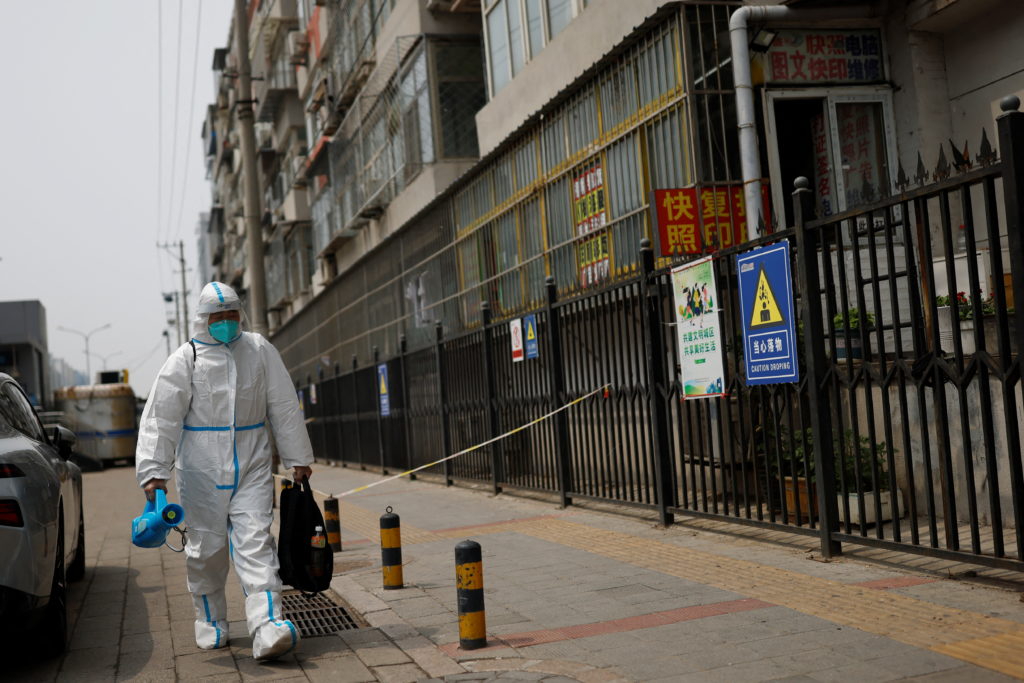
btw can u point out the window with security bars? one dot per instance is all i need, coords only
(503, 243)
(460, 95)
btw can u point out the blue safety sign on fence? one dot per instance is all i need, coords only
(766, 310)
(382, 389)
(530, 335)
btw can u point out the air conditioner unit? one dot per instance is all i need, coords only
(298, 46)
(299, 171)
(264, 135)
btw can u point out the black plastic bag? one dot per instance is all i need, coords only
(303, 566)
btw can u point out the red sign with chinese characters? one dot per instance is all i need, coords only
(702, 220)
(590, 216)
(824, 56)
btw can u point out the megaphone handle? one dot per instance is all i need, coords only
(161, 499)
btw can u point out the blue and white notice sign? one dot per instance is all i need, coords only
(382, 389)
(766, 310)
(530, 336)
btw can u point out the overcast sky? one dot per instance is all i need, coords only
(80, 167)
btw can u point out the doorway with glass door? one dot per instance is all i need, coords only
(841, 141)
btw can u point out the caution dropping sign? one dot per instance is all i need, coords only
(766, 301)
(530, 332)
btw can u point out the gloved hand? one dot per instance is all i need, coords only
(152, 485)
(301, 472)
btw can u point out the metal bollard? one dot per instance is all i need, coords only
(391, 550)
(332, 523)
(469, 584)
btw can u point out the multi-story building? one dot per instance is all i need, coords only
(23, 347)
(419, 157)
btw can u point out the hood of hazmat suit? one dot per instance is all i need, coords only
(210, 416)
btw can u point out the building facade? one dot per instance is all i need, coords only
(23, 347)
(421, 157)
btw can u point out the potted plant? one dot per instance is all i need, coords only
(850, 321)
(853, 458)
(788, 468)
(966, 315)
(856, 459)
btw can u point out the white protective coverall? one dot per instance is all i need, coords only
(209, 417)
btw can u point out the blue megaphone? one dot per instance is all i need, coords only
(149, 530)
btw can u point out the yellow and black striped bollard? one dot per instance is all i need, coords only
(332, 523)
(391, 550)
(469, 584)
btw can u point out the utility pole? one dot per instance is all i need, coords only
(184, 293)
(183, 334)
(247, 136)
(167, 338)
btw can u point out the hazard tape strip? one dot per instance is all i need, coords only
(529, 424)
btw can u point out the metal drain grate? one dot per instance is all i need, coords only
(317, 615)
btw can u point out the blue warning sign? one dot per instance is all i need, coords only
(530, 334)
(766, 310)
(382, 389)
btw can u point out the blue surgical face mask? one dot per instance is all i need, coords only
(224, 330)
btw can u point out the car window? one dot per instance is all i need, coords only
(25, 419)
(8, 413)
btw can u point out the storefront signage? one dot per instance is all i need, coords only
(702, 220)
(766, 311)
(590, 216)
(698, 329)
(823, 56)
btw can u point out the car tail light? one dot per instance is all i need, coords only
(10, 513)
(7, 471)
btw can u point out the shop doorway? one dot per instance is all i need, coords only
(841, 139)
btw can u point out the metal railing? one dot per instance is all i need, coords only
(903, 432)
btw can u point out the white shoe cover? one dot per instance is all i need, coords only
(211, 635)
(211, 620)
(274, 639)
(271, 635)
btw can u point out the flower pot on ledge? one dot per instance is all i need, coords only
(869, 507)
(990, 329)
(808, 498)
(856, 350)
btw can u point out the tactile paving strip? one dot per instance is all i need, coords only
(316, 615)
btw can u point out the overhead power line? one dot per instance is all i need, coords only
(174, 132)
(159, 115)
(189, 142)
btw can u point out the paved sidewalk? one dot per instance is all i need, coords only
(571, 595)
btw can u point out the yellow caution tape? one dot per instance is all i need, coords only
(476, 447)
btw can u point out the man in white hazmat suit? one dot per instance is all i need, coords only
(208, 414)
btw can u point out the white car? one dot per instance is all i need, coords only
(42, 531)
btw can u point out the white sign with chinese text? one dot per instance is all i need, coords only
(698, 329)
(821, 56)
(515, 329)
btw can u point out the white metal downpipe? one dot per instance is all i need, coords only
(750, 155)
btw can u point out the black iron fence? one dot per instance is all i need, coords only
(903, 431)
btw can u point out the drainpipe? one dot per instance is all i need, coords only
(750, 155)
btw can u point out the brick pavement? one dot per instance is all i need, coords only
(571, 595)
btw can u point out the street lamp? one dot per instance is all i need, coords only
(88, 365)
(104, 358)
